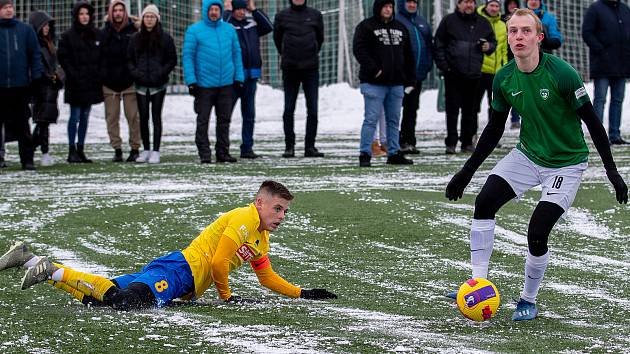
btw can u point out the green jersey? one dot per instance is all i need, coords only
(547, 98)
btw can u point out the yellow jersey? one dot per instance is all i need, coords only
(240, 225)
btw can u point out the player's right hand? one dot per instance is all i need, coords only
(621, 189)
(455, 188)
(317, 294)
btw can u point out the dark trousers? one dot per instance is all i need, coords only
(309, 79)
(459, 94)
(411, 103)
(221, 99)
(41, 136)
(14, 114)
(247, 95)
(150, 106)
(484, 87)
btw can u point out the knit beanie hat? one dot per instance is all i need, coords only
(5, 2)
(239, 4)
(151, 9)
(497, 1)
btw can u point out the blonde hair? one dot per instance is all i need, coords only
(528, 12)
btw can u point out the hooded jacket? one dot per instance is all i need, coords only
(421, 39)
(249, 31)
(212, 53)
(45, 99)
(494, 61)
(457, 44)
(298, 36)
(384, 46)
(606, 31)
(553, 37)
(19, 54)
(150, 66)
(114, 56)
(79, 54)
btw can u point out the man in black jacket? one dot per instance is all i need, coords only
(606, 31)
(299, 35)
(461, 40)
(117, 82)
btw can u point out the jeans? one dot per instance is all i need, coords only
(150, 106)
(309, 79)
(617, 91)
(376, 99)
(79, 115)
(248, 112)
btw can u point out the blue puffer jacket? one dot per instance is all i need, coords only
(553, 37)
(20, 59)
(212, 53)
(421, 39)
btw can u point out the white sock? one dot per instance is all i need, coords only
(57, 275)
(481, 242)
(534, 272)
(31, 262)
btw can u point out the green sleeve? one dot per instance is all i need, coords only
(571, 87)
(499, 103)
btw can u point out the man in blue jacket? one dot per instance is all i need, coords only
(249, 30)
(606, 31)
(212, 67)
(553, 37)
(421, 41)
(21, 69)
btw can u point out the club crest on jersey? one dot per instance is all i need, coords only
(245, 253)
(243, 233)
(544, 93)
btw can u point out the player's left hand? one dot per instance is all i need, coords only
(455, 188)
(317, 294)
(621, 189)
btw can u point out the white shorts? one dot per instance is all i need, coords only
(559, 185)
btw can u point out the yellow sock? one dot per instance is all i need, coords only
(67, 288)
(89, 284)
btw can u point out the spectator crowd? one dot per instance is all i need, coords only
(129, 60)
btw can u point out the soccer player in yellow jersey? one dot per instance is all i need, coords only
(236, 237)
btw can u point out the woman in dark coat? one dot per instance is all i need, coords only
(79, 55)
(151, 58)
(45, 110)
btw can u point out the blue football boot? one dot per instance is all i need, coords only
(452, 295)
(525, 311)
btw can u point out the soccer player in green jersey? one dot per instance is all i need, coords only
(551, 152)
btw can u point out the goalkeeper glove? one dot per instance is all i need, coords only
(317, 294)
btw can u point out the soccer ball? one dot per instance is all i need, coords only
(478, 299)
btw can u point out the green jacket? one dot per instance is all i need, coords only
(493, 62)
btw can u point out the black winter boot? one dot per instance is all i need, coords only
(117, 156)
(73, 156)
(364, 159)
(133, 155)
(81, 154)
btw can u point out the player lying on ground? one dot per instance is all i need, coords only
(551, 98)
(236, 237)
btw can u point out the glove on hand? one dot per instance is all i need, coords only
(621, 189)
(317, 294)
(455, 188)
(193, 90)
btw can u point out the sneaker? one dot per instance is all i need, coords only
(618, 141)
(376, 150)
(155, 157)
(364, 160)
(450, 150)
(313, 152)
(117, 155)
(289, 152)
(47, 160)
(143, 156)
(409, 149)
(250, 155)
(133, 155)
(40, 272)
(452, 295)
(16, 256)
(468, 148)
(398, 159)
(515, 125)
(525, 311)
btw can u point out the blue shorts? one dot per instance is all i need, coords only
(169, 277)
